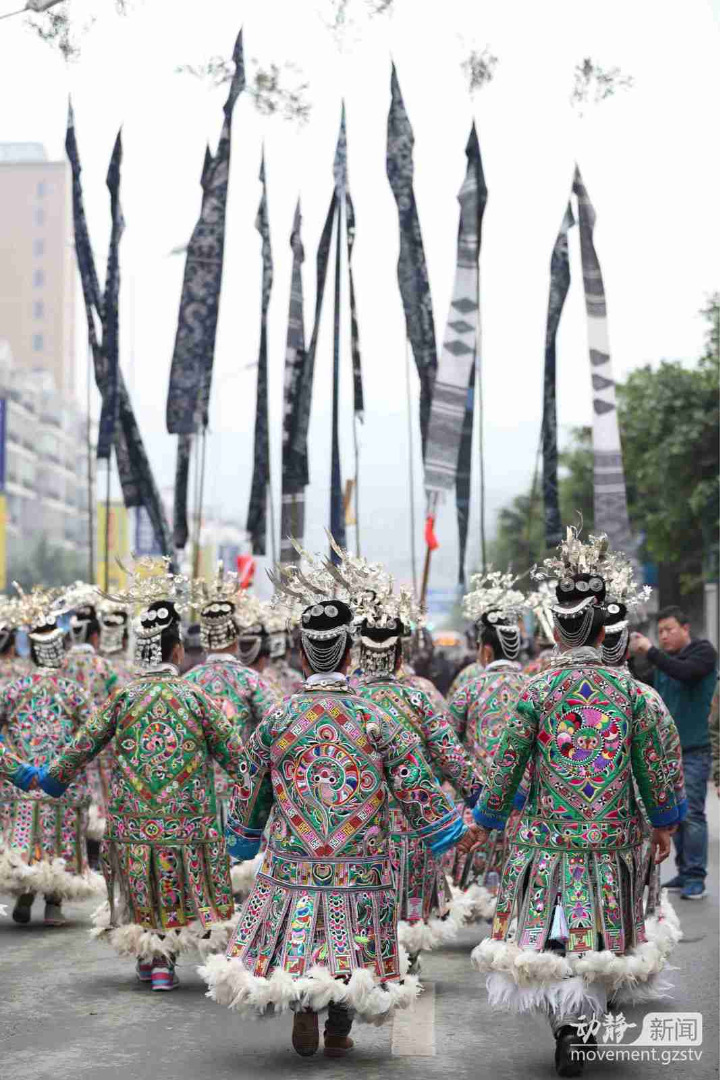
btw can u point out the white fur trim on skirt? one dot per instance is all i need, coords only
(146, 943)
(243, 874)
(231, 984)
(96, 823)
(479, 902)
(425, 935)
(49, 877)
(521, 979)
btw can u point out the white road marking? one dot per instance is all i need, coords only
(413, 1033)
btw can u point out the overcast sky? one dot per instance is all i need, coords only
(649, 158)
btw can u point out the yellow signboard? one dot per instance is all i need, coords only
(117, 541)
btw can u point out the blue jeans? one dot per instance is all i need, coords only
(691, 838)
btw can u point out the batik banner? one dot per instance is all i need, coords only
(464, 476)
(292, 518)
(337, 511)
(610, 499)
(182, 475)
(138, 484)
(559, 285)
(296, 472)
(257, 512)
(457, 359)
(412, 268)
(110, 310)
(192, 362)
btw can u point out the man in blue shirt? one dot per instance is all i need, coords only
(685, 676)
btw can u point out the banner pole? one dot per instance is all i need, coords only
(411, 466)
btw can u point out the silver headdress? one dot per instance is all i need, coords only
(541, 602)
(80, 599)
(217, 601)
(624, 594)
(493, 601)
(113, 627)
(578, 568)
(161, 595)
(325, 599)
(38, 612)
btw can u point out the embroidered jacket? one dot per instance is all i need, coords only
(242, 694)
(472, 671)
(325, 762)
(590, 734)
(91, 672)
(422, 889)
(161, 839)
(482, 707)
(419, 682)
(415, 711)
(670, 738)
(39, 716)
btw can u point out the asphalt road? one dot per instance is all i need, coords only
(71, 1010)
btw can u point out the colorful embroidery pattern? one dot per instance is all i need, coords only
(39, 715)
(325, 892)
(591, 739)
(91, 672)
(162, 846)
(479, 712)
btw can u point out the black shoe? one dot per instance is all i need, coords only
(305, 1033)
(569, 1057)
(21, 911)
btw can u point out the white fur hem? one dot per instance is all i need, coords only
(231, 984)
(49, 877)
(243, 874)
(569, 997)
(133, 940)
(96, 823)
(629, 977)
(479, 902)
(425, 935)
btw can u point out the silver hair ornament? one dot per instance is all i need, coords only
(324, 657)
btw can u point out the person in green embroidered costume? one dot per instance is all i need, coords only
(242, 695)
(95, 674)
(43, 843)
(572, 886)
(163, 856)
(428, 916)
(479, 711)
(319, 929)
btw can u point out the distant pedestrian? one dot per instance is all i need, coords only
(685, 676)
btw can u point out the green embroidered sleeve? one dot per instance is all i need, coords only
(458, 711)
(650, 767)
(221, 734)
(263, 700)
(511, 757)
(252, 797)
(446, 750)
(428, 810)
(93, 736)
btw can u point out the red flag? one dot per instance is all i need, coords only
(246, 570)
(430, 538)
